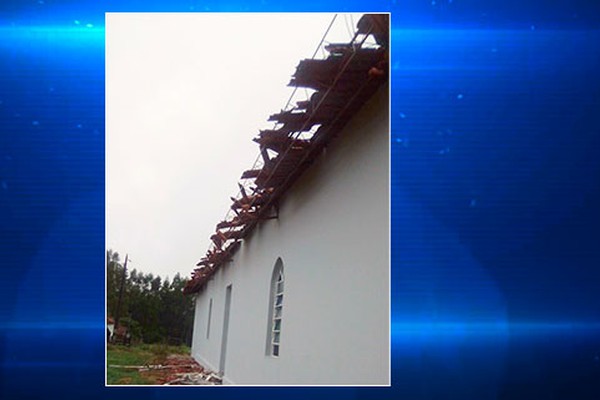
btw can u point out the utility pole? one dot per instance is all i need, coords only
(121, 293)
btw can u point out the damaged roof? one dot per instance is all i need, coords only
(343, 83)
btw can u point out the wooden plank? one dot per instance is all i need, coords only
(251, 173)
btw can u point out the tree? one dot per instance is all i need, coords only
(154, 309)
(114, 272)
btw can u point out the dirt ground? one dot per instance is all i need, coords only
(174, 369)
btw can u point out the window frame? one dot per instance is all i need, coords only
(275, 321)
(210, 305)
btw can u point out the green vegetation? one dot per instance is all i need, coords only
(145, 354)
(153, 309)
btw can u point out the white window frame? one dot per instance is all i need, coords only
(277, 314)
(273, 348)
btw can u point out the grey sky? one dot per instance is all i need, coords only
(185, 95)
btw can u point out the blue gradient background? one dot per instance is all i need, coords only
(495, 194)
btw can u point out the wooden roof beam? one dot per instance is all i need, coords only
(251, 173)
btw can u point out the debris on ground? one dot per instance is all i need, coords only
(184, 370)
(176, 370)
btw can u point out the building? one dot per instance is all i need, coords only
(295, 289)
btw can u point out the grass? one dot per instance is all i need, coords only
(144, 354)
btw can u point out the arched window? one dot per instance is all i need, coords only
(275, 310)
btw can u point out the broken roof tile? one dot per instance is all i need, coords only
(343, 81)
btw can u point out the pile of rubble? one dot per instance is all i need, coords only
(194, 378)
(184, 370)
(176, 370)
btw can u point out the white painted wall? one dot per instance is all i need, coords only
(333, 237)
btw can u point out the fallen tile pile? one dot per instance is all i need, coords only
(176, 370)
(184, 370)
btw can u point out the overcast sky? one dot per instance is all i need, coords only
(185, 95)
